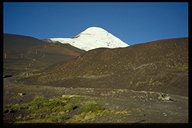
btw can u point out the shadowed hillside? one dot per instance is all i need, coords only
(156, 66)
(23, 53)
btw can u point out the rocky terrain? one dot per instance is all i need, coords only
(46, 82)
(155, 66)
(43, 104)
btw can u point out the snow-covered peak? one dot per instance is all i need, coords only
(91, 38)
(94, 30)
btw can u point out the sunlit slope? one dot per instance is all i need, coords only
(157, 66)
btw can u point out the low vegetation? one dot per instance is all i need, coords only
(29, 74)
(179, 67)
(65, 109)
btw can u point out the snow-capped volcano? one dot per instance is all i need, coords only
(91, 38)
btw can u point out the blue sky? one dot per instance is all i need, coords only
(131, 22)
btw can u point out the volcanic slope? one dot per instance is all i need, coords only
(160, 66)
(92, 38)
(24, 53)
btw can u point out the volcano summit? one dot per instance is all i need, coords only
(92, 38)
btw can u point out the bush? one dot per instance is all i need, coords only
(61, 109)
(179, 67)
(90, 106)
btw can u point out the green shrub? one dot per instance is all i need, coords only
(90, 106)
(60, 110)
(29, 74)
(179, 67)
(12, 107)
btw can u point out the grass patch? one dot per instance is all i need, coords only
(29, 74)
(14, 107)
(44, 79)
(65, 109)
(91, 106)
(179, 67)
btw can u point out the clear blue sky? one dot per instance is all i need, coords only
(131, 22)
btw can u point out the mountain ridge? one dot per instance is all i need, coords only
(155, 66)
(91, 38)
(25, 53)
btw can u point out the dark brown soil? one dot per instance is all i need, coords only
(144, 106)
(150, 80)
(154, 66)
